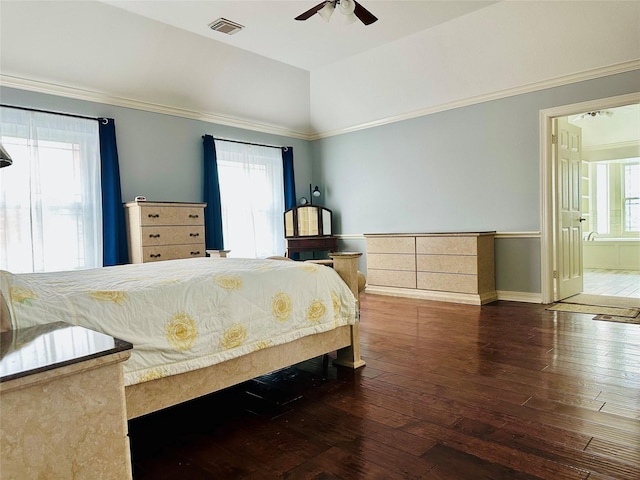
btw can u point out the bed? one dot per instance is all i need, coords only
(199, 325)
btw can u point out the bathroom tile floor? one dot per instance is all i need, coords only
(618, 283)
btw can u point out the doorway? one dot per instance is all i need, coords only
(610, 183)
(551, 230)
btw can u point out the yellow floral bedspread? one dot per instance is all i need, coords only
(182, 315)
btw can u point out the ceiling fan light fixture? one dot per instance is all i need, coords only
(347, 7)
(594, 114)
(349, 18)
(350, 9)
(326, 11)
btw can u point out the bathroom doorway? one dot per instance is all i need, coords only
(560, 260)
(610, 200)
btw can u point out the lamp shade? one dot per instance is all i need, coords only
(326, 11)
(5, 158)
(347, 7)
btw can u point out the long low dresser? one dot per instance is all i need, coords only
(450, 267)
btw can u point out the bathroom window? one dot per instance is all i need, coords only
(602, 199)
(632, 198)
(616, 197)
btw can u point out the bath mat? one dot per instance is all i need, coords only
(594, 309)
(603, 301)
(612, 318)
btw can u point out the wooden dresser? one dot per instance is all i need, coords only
(450, 267)
(164, 231)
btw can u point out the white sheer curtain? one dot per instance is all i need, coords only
(50, 198)
(252, 199)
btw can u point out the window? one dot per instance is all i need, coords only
(632, 198)
(252, 199)
(602, 198)
(50, 198)
(616, 197)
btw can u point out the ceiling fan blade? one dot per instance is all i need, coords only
(364, 15)
(311, 11)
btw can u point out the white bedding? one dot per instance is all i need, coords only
(181, 315)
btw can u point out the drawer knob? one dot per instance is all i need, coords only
(195, 253)
(194, 234)
(193, 216)
(154, 235)
(154, 215)
(154, 255)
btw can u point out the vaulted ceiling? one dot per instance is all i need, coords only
(271, 31)
(309, 79)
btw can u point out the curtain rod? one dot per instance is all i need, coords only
(97, 119)
(249, 143)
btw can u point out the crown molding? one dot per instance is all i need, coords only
(118, 101)
(510, 92)
(115, 100)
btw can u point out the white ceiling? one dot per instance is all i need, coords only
(271, 31)
(613, 126)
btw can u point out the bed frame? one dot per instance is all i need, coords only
(147, 397)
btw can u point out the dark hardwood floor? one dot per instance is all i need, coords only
(504, 391)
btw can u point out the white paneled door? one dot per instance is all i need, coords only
(568, 153)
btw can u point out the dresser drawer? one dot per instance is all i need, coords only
(172, 235)
(391, 245)
(391, 278)
(454, 245)
(151, 215)
(172, 252)
(391, 261)
(447, 282)
(448, 263)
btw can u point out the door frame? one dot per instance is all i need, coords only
(549, 237)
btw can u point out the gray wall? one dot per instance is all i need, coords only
(474, 168)
(161, 155)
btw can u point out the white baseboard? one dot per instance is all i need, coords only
(525, 297)
(451, 297)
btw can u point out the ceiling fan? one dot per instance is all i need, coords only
(350, 8)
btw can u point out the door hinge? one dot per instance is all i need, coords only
(555, 274)
(554, 139)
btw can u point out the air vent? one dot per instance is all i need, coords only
(225, 26)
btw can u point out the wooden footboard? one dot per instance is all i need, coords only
(147, 397)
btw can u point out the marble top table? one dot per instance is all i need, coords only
(46, 347)
(63, 409)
